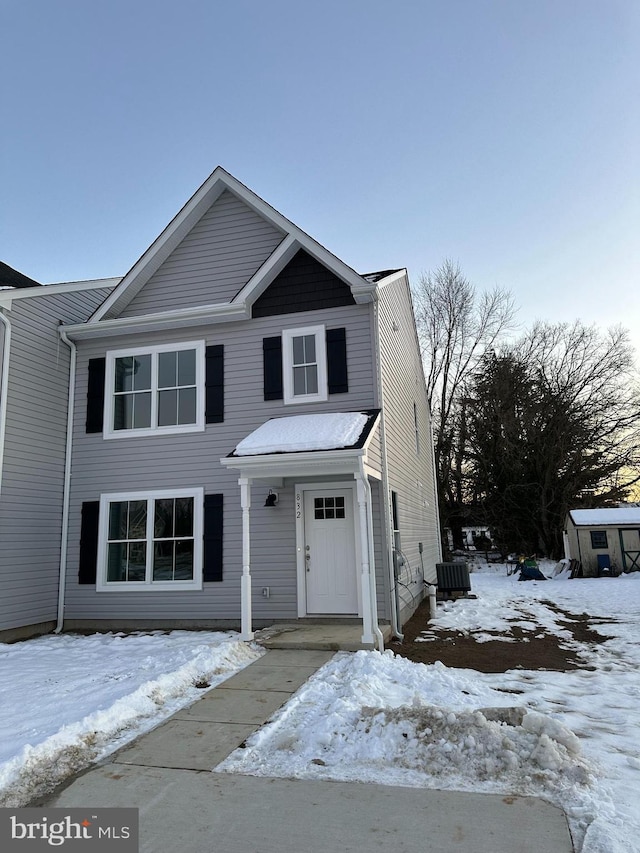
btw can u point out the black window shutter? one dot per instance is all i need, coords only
(272, 360)
(89, 542)
(337, 379)
(95, 394)
(214, 385)
(212, 569)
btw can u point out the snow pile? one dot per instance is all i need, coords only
(96, 694)
(469, 747)
(304, 432)
(329, 730)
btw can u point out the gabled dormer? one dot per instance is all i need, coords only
(227, 255)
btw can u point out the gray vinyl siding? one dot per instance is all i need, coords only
(410, 473)
(192, 460)
(34, 457)
(213, 262)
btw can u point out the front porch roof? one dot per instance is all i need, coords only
(327, 443)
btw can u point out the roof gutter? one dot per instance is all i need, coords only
(66, 490)
(4, 386)
(160, 321)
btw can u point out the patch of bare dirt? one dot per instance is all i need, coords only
(526, 651)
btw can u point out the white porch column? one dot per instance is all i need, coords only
(365, 576)
(245, 584)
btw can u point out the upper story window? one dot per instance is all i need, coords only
(304, 360)
(155, 389)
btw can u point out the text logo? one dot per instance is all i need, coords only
(32, 830)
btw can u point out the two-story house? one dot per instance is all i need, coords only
(248, 437)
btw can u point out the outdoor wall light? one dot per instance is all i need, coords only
(272, 498)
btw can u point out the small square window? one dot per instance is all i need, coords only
(599, 539)
(328, 508)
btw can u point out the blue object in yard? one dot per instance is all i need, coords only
(529, 571)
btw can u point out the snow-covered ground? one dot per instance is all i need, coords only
(573, 738)
(570, 737)
(67, 700)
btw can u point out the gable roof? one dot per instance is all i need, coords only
(192, 212)
(12, 278)
(619, 515)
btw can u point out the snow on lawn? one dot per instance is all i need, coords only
(68, 700)
(570, 737)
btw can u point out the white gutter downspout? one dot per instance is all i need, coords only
(435, 486)
(62, 576)
(4, 386)
(395, 627)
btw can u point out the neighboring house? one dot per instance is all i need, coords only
(605, 539)
(33, 427)
(471, 536)
(249, 436)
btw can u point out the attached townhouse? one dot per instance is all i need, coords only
(247, 442)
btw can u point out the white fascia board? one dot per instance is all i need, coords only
(363, 291)
(372, 473)
(8, 296)
(182, 318)
(263, 277)
(391, 279)
(296, 464)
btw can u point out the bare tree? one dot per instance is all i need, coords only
(554, 424)
(456, 326)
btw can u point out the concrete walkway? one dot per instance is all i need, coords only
(184, 806)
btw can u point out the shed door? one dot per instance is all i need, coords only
(329, 550)
(630, 547)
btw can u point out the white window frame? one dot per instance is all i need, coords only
(149, 585)
(154, 351)
(288, 335)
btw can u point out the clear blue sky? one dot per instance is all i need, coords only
(504, 134)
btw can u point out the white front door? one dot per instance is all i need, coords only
(329, 552)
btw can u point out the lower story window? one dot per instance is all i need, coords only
(151, 540)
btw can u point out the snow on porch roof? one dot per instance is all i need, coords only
(300, 433)
(604, 515)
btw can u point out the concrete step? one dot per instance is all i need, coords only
(325, 636)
